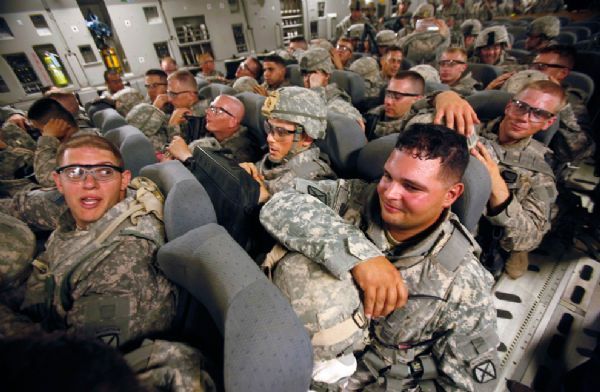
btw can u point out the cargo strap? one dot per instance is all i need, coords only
(340, 331)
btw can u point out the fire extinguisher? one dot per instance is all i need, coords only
(55, 70)
(110, 59)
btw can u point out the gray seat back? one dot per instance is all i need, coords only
(520, 54)
(213, 90)
(266, 346)
(566, 38)
(351, 83)
(93, 107)
(135, 147)
(582, 82)
(294, 75)
(581, 32)
(484, 73)
(470, 205)
(343, 140)
(431, 87)
(253, 117)
(108, 119)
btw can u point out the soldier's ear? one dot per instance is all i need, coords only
(125, 179)
(452, 194)
(56, 178)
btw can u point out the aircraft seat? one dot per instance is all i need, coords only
(484, 73)
(136, 148)
(213, 90)
(351, 83)
(253, 117)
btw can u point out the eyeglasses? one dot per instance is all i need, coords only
(343, 48)
(279, 133)
(173, 94)
(450, 63)
(543, 66)
(392, 60)
(216, 110)
(536, 115)
(154, 85)
(77, 173)
(397, 95)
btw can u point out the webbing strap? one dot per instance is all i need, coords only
(337, 333)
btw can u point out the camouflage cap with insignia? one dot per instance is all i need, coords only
(492, 35)
(429, 73)
(300, 106)
(245, 84)
(471, 27)
(515, 83)
(424, 11)
(146, 118)
(366, 67)
(355, 31)
(126, 99)
(316, 59)
(548, 26)
(386, 38)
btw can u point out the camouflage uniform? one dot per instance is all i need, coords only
(344, 25)
(16, 160)
(526, 217)
(369, 70)
(126, 99)
(198, 109)
(44, 161)
(456, 313)
(14, 136)
(423, 47)
(7, 111)
(496, 35)
(285, 83)
(378, 125)
(454, 11)
(215, 76)
(109, 289)
(40, 208)
(239, 146)
(466, 85)
(245, 84)
(151, 121)
(428, 72)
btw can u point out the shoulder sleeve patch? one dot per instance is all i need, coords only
(319, 194)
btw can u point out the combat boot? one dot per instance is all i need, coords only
(517, 264)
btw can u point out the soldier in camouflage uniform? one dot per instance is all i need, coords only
(206, 62)
(424, 45)
(274, 75)
(541, 33)
(16, 159)
(447, 327)
(12, 115)
(423, 11)
(126, 99)
(490, 48)
(70, 102)
(470, 29)
(295, 117)
(151, 121)
(429, 74)
(316, 68)
(384, 40)
(453, 14)
(341, 55)
(356, 17)
(368, 69)
(453, 65)
(245, 84)
(225, 133)
(523, 185)
(183, 95)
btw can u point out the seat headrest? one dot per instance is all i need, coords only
(253, 117)
(350, 82)
(489, 104)
(213, 90)
(293, 74)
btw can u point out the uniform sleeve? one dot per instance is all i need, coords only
(525, 222)
(124, 297)
(467, 356)
(14, 324)
(304, 224)
(44, 161)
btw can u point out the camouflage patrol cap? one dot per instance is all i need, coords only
(316, 59)
(471, 27)
(355, 31)
(424, 11)
(429, 73)
(245, 84)
(17, 248)
(366, 67)
(146, 118)
(126, 99)
(515, 83)
(492, 35)
(317, 43)
(356, 4)
(386, 38)
(548, 26)
(300, 106)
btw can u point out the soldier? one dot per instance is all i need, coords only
(126, 99)
(225, 133)
(453, 65)
(429, 38)
(183, 95)
(69, 101)
(368, 69)
(250, 67)
(523, 186)
(168, 65)
(490, 48)
(356, 17)
(316, 68)
(16, 167)
(295, 118)
(413, 262)
(385, 39)
(155, 81)
(297, 44)
(151, 121)
(13, 116)
(391, 63)
(113, 82)
(470, 29)
(423, 11)
(206, 62)
(245, 84)
(429, 74)
(451, 13)
(274, 71)
(341, 55)
(541, 33)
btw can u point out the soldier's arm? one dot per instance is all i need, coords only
(467, 355)
(304, 224)
(13, 324)
(573, 143)
(44, 161)
(126, 281)
(526, 222)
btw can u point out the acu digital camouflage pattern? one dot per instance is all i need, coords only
(151, 121)
(44, 161)
(239, 146)
(14, 136)
(198, 109)
(300, 106)
(369, 70)
(423, 47)
(527, 217)
(16, 164)
(420, 112)
(40, 208)
(386, 38)
(338, 101)
(126, 99)
(305, 164)
(466, 85)
(245, 84)
(515, 83)
(345, 27)
(545, 25)
(110, 290)
(428, 73)
(461, 320)
(316, 59)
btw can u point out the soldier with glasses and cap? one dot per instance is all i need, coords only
(452, 65)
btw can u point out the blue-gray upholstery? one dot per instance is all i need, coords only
(520, 54)
(187, 206)
(581, 32)
(470, 205)
(518, 31)
(253, 117)
(108, 119)
(201, 82)
(343, 139)
(590, 24)
(431, 87)
(93, 107)
(294, 75)
(135, 147)
(566, 38)
(484, 73)
(213, 90)
(582, 82)
(350, 82)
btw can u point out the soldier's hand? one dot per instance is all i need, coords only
(160, 101)
(19, 120)
(459, 115)
(260, 90)
(317, 79)
(500, 192)
(382, 285)
(499, 81)
(56, 127)
(177, 116)
(251, 169)
(179, 149)
(335, 58)
(444, 30)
